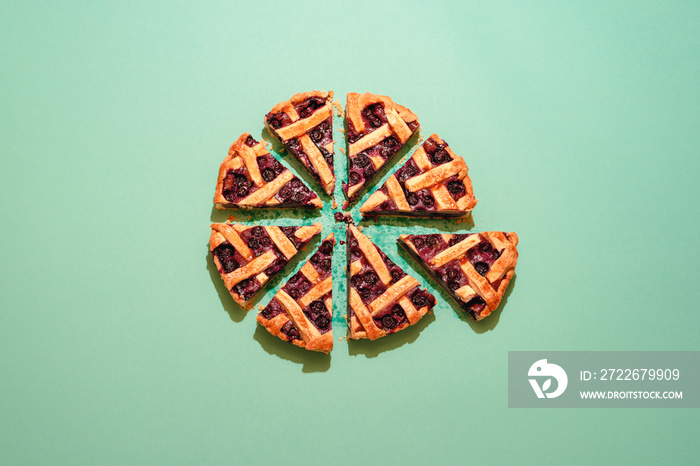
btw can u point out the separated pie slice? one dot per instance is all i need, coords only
(301, 311)
(248, 256)
(251, 177)
(433, 183)
(377, 128)
(382, 298)
(475, 269)
(304, 125)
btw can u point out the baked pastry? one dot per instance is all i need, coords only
(248, 256)
(301, 311)
(377, 128)
(475, 268)
(251, 177)
(304, 125)
(382, 298)
(434, 182)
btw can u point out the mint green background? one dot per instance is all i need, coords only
(579, 122)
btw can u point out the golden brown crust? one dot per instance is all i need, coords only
(240, 155)
(299, 129)
(321, 289)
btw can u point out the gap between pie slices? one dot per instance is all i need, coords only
(301, 311)
(304, 126)
(382, 298)
(247, 257)
(434, 182)
(377, 129)
(475, 268)
(250, 177)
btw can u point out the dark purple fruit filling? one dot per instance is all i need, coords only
(361, 160)
(456, 239)
(306, 108)
(257, 231)
(338, 216)
(411, 198)
(321, 134)
(428, 200)
(397, 274)
(291, 331)
(319, 316)
(253, 243)
(275, 267)
(326, 247)
(430, 145)
(391, 319)
(294, 146)
(250, 142)
(433, 240)
(273, 309)
(440, 156)
(369, 171)
(482, 268)
(373, 115)
(475, 306)
(288, 231)
(246, 288)
(328, 156)
(388, 147)
(455, 187)
(422, 298)
(418, 243)
(235, 186)
(354, 178)
(278, 120)
(268, 175)
(225, 252)
(297, 286)
(407, 171)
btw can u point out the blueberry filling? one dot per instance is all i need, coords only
(361, 160)
(418, 243)
(430, 146)
(428, 201)
(409, 171)
(291, 331)
(455, 187)
(354, 178)
(277, 120)
(411, 198)
(369, 171)
(257, 231)
(374, 115)
(481, 268)
(433, 240)
(388, 321)
(253, 243)
(250, 142)
(326, 247)
(309, 106)
(418, 299)
(225, 252)
(338, 216)
(485, 247)
(268, 174)
(440, 156)
(396, 275)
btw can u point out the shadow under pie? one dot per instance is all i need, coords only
(312, 361)
(373, 348)
(235, 312)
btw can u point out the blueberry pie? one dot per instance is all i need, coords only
(475, 269)
(433, 183)
(304, 125)
(248, 256)
(251, 177)
(301, 311)
(377, 129)
(382, 298)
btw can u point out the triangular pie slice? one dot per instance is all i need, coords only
(434, 182)
(304, 125)
(248, 256)
(474, 268)
(377, 128)
(382, 298)
(250, 177)
(302, 310)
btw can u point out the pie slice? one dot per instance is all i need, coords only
(475, 268)
(248, 256)
(304, 125)
(301, 311)
(377, 129)
(433, 183)
(382, 298)
(250, 177)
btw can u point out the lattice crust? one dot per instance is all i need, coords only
(382, 298)
(250, 177)
(377, 128)
(304, 125)
(475, 269)
(248, 256)
(433, 182)
(301, 311)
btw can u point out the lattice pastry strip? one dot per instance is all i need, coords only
(250, 177)
(301, 311)
(475, 268)
(433, 182)
(248, 256)
(304, 125)
(382, 298)
(377, 128)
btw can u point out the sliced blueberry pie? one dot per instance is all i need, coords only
(433, 183)
(377, 128)
(304, 125)
(301, 311)
(248, 256)
(251, 177)
(475, 268)
(382, 298)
